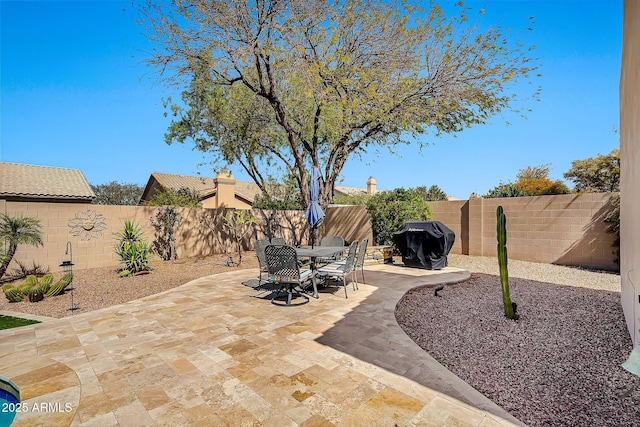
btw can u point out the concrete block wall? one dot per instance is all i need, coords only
(455, 215)
(566, 229)
(94, 247)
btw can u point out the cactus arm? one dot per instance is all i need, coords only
(60, 285)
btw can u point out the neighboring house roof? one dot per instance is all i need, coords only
(206, 187)
(350, 191)
(26, 182)
(248, 190)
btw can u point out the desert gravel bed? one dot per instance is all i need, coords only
(558, 365)
(102, 287)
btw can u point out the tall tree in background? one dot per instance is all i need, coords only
(535, 181)
(433, 193)
(116, 193)
(596, 174)
(287, 85)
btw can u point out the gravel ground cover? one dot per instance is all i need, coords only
(558, 365)
(102, 287)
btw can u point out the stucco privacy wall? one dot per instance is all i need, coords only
(630, 168)
(94, 225)
(566, 229)
(350, 222)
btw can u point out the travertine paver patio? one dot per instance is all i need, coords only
(212, 352)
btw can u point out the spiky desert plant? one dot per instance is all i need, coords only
(134, 253)
(59, 285)
(36, 294)
(12, 294)
(509, 307)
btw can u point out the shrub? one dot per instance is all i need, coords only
(134, 253)
(183, 197)
(505, 190)
(166, 222)
(390, 209)
(613, 224)
(542, 186)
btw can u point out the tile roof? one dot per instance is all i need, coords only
(175, 182)
(43, 182)
(204, 186)
(350, 191)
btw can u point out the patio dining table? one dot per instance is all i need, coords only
(319, 252)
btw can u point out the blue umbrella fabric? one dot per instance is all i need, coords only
(314, 213)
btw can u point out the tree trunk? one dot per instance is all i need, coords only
(7, 260)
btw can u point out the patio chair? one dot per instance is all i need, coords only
(282, 264)
(278, 241)
(331, 241)
(340, 270)
(359, 262)
(362, 251)
(260, 246)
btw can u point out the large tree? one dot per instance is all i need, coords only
(116, 193)
(596, 174)
(280, 86)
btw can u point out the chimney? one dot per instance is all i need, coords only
(371, 186)
(225, 189)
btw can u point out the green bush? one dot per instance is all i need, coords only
(613, 224)
(506, 190)
(134, 253)
(165, 223)
(183, 197)
(389, 210)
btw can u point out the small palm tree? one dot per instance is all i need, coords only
(16, 231)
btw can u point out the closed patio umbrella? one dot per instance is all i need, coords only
(314, 213)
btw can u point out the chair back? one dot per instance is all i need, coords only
(349, 262)
(260, 245)
(282, 263)
(278, 241)
(362, 251)
(332, 241)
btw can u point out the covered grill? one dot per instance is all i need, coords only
(424, 244)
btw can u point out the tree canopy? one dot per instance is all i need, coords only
(596, 174)
(285, 86)
(433, 193)
(530, 181)
(183, 197)
(116, 193)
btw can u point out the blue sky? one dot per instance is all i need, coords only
(75, 94)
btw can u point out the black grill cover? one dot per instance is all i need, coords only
(424, 244)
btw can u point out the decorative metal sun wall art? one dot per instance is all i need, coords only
(87, 225)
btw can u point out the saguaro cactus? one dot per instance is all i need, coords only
(509, 307)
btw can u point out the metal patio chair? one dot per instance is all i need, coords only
(362, 251)
(331, 241)
(340, 270)
(260, 246)
(282, 264)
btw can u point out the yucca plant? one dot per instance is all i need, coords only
(134, 253)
